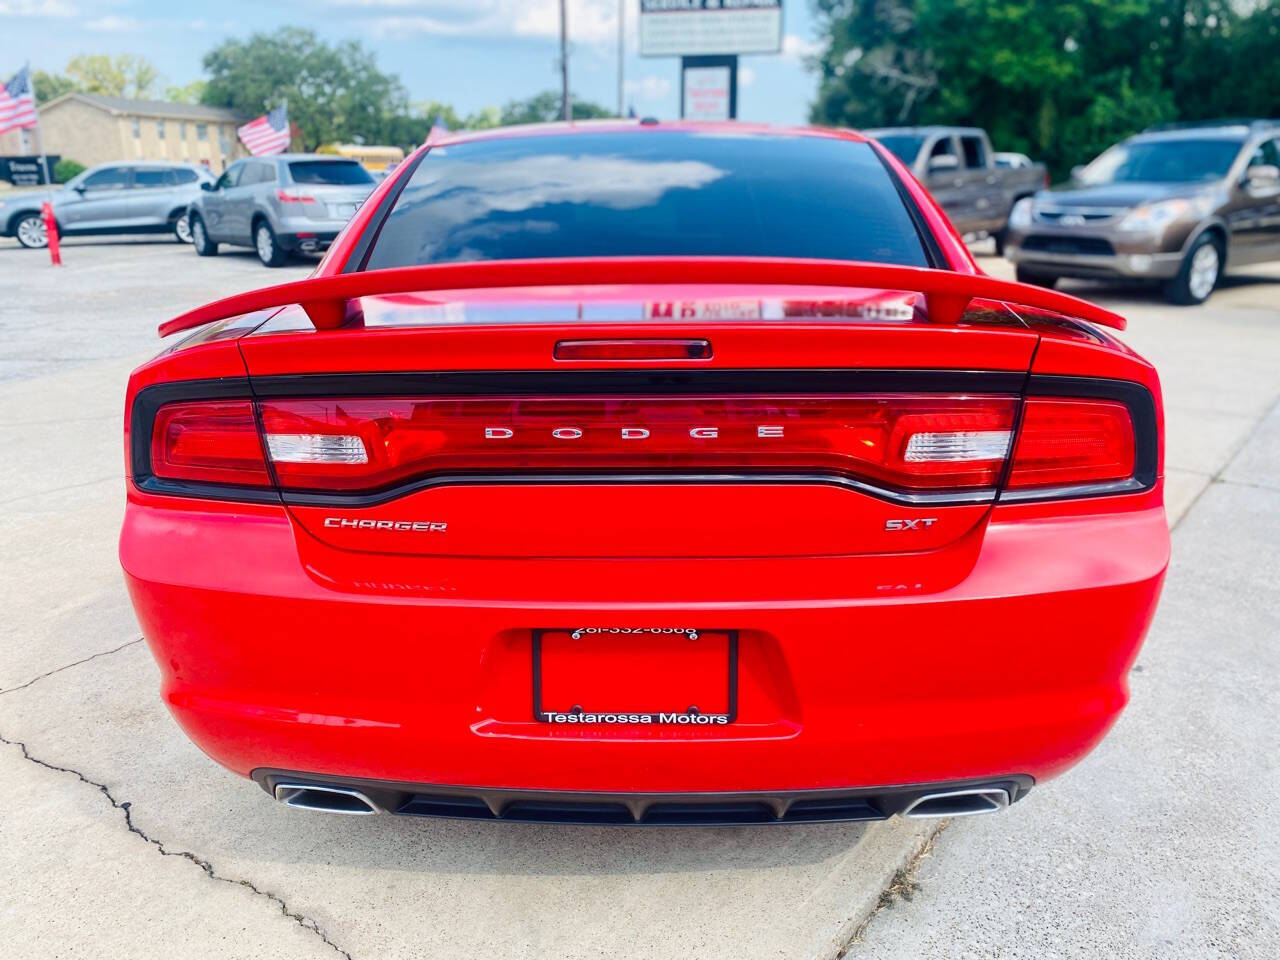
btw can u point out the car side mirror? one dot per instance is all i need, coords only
(1077, 173)
(1263, 175)
(79, 188)
(206, 185)
(944, 164)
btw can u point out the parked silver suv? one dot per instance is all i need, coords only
(114, 198)
(278, 205)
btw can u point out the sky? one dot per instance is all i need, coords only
(468, 53)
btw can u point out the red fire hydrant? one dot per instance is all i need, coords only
(51, 230)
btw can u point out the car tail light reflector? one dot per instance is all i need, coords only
(958, 446)
(911, 442)
(1070, 442)
(316, 448)
(208, 442)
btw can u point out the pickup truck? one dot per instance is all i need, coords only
(959, 168)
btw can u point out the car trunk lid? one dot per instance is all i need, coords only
(437, 366)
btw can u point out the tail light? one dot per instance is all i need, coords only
(925, 443)
(208, 442)
(1072, 442)
(292, 196)
(914, 444)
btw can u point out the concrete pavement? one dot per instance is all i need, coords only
(1163, 843)
(201, 863)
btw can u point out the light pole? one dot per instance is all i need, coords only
(622, 52)
(566, 108)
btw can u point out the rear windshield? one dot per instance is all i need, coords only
(903, 146)
(649, 193)
(338, 172)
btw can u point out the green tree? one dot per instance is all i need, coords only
(1059, 79)
(408, 130)
(875, 70)
(433, 111)
(1228, 53)
(545, 108)
(483, 119)
(50, 86)
(66, 169)
(125, 75)
(335, 93)
(192, 92)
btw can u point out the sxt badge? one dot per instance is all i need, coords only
(923, 523)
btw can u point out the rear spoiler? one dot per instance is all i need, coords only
(334, 301)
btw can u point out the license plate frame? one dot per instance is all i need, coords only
(598, 718)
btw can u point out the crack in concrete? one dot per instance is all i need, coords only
(59, 422)
(902, 886)
(72, 486)
(50, 673)
(125, 808)
(1216, 477)
(1240, 483)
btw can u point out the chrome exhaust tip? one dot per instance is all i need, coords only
(959, 803)
(312, 796)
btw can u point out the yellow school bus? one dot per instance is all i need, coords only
(375, 159)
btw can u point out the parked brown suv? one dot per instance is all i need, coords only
(1177, 205)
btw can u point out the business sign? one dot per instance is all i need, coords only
(687, 28)
(26, 171)
(706, 93)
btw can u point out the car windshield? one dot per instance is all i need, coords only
(1162, 161)
(336, 172)
(648, 193)
(903, 146)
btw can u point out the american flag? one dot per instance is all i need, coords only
(267, 134)
(17, 102)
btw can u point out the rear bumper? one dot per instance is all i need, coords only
(1152, 266)
(362, 796)
(307, 240)
(1013, 662)
(1117, 254)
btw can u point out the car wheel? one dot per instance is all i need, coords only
(264, 241)
(1036, 279)
(1200, 272)
(182, 228)
(30, 231)
(200, 237)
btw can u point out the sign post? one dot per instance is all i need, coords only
(44, 158)
(708, 36)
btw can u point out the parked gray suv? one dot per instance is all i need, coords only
(279, 205)
(114, 198)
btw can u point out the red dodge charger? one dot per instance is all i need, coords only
(646, 473)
